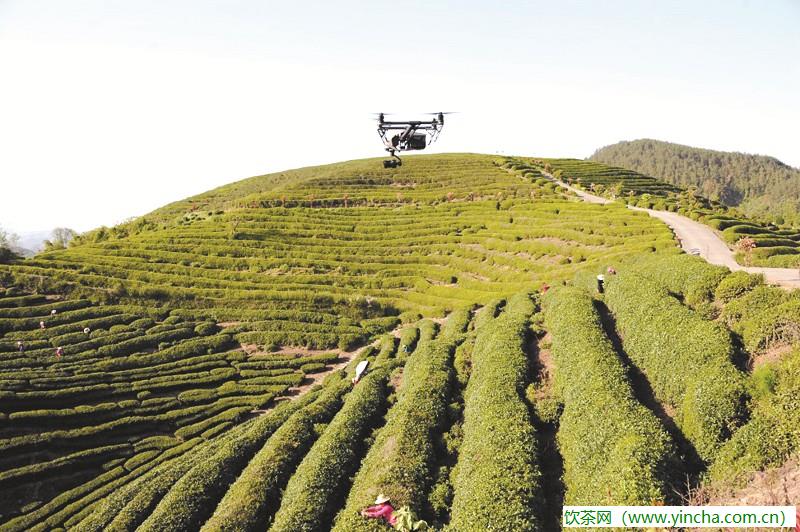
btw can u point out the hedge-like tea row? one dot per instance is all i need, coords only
(314, 491)
(686, 359)
(42, 470)
(691, 277)
(736, 285)
(398, 463)
(772, 435)
(409, 337)
(127, 508)
(255, 496)
(498, 431)
(614, 449)
(772, 325)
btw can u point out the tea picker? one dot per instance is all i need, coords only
(601, 279)
(361, 368)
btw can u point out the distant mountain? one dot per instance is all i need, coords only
(34, 240)
(759, 185)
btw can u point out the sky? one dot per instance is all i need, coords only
(110, 108)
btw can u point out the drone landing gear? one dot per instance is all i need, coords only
(392, 163)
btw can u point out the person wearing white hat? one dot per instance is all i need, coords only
(382, 509)
(360, 369)
(86, 330)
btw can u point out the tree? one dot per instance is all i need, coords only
(8, 239)
(8, 244)
(59, 238)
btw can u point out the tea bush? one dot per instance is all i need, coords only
(698, 378)
(615, 450)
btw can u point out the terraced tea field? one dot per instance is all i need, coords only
(324, 277)
(774, 246)
(203, 377)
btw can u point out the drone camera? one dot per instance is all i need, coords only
(417, 142)
(406, 135)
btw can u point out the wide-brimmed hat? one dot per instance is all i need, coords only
(380, 499)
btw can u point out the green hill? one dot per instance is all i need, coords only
(206, 351)
(760, 186)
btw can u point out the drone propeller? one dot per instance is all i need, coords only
(443, 113)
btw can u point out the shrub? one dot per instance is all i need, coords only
(398, 463)
(623, 455)
(498, 432)
(126, 507)
(139, 459)
(312, 367)
(750, 304)
(206, 328)
(311, 497)
(773, 432)
(255, 495)
(688, 276)
(188, 489)
(737, 284)
(770, 326)
(697, 378)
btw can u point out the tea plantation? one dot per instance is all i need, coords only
(776, 246)
(190, 370)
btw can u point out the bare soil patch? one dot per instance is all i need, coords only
(779, 486)
(773, 354)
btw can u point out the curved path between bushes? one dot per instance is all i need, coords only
(694, 235)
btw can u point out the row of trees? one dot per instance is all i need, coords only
(11, 248)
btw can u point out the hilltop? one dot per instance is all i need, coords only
(758, 185)
(190, 370)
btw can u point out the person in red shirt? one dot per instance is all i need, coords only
(382, 509)
(59, 352)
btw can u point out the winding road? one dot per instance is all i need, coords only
(694, 235)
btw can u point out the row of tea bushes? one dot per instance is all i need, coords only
(498, 431)
(399, 462)
(698, 378)
(615, 450)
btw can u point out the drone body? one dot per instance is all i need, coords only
(407, 135)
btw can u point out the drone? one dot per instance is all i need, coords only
(406, 135)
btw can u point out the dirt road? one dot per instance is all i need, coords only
(694, 235)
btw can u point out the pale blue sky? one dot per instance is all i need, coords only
(112, 108)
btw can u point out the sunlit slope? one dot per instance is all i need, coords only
(156, 418)
(425, 178)
(440, 233)
(777, 241)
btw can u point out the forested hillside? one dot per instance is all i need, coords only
(759, 185)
